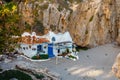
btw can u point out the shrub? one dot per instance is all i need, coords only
(41, 56)
(39, 76)
(60, 8)
(44, 56)
(52, 27)
(1, 69)
(43, 7)
(78, 48)
(91, 18)
(7, 75)
(38, 27)
(72, 57)
(9, 20)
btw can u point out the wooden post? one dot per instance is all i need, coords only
(56, 59)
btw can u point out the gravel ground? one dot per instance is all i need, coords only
(93, 64)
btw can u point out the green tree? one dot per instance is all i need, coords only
(8, 26)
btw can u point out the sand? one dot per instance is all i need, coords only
(93, 64)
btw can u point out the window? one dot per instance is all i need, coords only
(34, 49)
(45, 47)
(58, 50)
(24, 48)
(30, 46)
(39, 48)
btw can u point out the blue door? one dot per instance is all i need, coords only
(50, 50)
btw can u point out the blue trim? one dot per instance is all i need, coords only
(50, 51)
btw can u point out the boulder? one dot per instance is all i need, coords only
(33, 69)
(116, 66)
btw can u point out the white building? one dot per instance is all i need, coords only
(51, 44)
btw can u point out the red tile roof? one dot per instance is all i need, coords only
(33, 40)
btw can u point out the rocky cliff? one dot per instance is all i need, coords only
(118, 20)
(93, 23)
(45, 14)
(90, 22)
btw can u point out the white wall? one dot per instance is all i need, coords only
(28, 51)
(45, 48)
(63, 48)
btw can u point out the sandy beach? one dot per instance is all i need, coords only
(93, 64)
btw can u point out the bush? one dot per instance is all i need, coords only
(91, 18)
(9, 20)
(39, 76)
(1, 69)
(9, 74)
(78, 48)
(72, 57)
(43, 7)
(60, 8)
(41, 56)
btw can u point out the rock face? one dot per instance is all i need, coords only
(41, 15)
(90, 22)
(118, 19)
(116, 66)
(93, 23)
(55, 19)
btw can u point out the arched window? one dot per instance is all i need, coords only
(53, 39)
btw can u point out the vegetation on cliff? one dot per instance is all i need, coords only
(9, 20)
